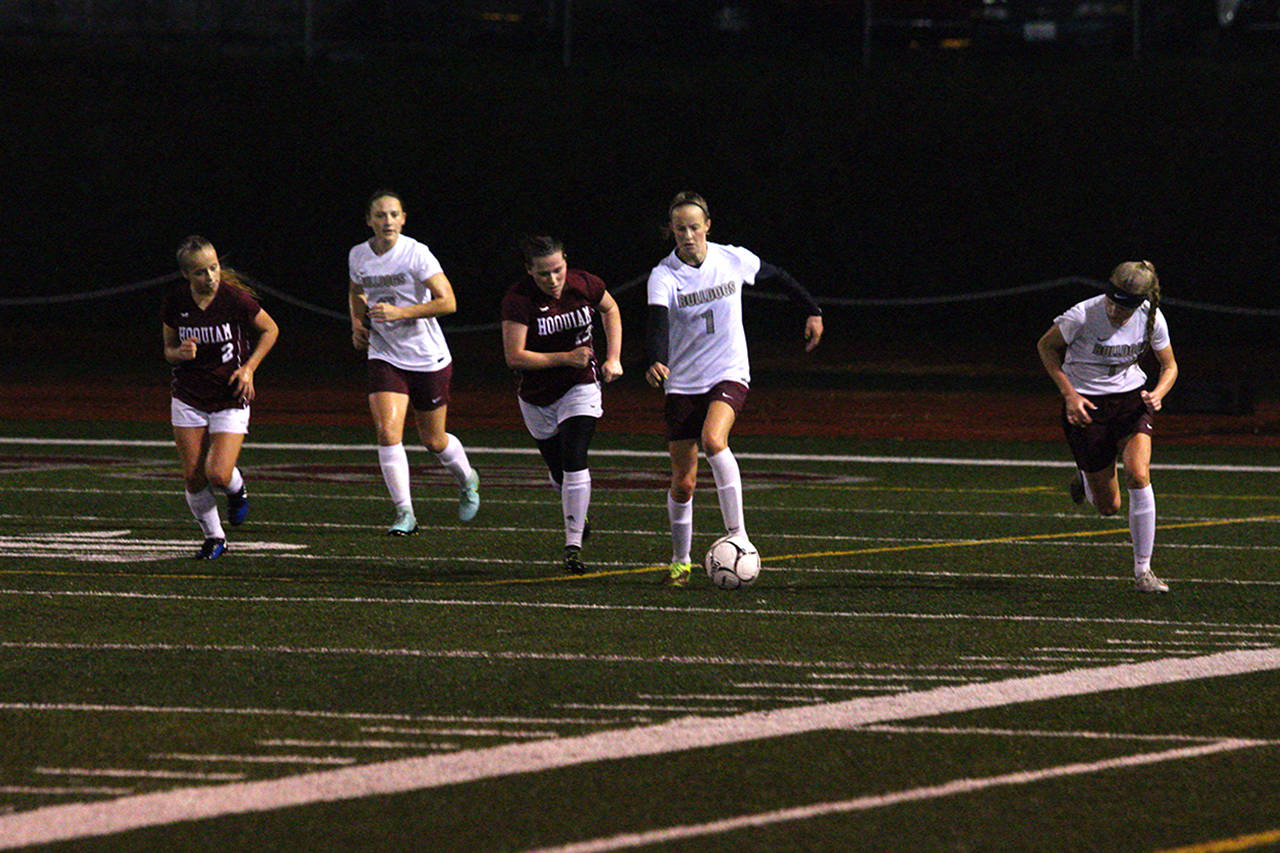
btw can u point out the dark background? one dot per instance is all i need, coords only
(927, 173)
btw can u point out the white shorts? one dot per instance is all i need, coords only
(227, 420)
(543, 421)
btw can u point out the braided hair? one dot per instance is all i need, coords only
(1140, 277)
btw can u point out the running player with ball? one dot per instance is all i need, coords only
(1091, 353)
(697, 349)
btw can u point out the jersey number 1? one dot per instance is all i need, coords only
(711, 322)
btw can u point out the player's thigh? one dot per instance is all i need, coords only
(684, 463)
(224, 450)
(1136, 452)
(431, 427)
(389, 409)
(717, 426)
(192, 443)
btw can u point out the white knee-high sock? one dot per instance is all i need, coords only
(681, 517)
(454, 457)
(724, 469)
(394, 462)
(575, 498)
(1142, 527)
(236, 483)
(204, 506)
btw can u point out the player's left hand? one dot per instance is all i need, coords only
(812, 332)
(242, 381)
(611, 370)
(385, 312)
(1152, 403)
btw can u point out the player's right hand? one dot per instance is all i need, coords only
(657, 374)
(187, 349)
(1078, 410)
(579, 356)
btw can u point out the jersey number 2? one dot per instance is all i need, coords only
(228, 351)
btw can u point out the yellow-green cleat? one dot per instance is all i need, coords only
(677, 574)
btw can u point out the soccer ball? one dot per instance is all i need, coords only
(732, 562)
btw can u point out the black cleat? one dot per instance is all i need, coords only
(212, 549)
(1076, 488)
(238, 507)
(572, 561)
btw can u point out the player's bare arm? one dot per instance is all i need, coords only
(358, 307)
(1154, 399)
(442, 303)
(268, 334)
(611, 369)
(1053, 348)
(176, 350)
(514, 339)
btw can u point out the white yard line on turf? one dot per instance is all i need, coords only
(955, 787)
(650, 454)
(85, 820)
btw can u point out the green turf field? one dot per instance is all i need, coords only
(942, 653)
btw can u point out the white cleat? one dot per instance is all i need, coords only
(1148, 582)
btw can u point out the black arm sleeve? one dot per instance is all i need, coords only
(655, 335)
(781, 279)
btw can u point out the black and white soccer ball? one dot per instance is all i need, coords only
(732, 562)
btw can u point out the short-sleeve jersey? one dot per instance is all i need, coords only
(221, 333)
(1101, 358)
(706, 340)
(555, 325)
(398, 277)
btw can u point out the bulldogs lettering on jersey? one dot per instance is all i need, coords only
(398, 277)
(1102, 358)
(706, 340)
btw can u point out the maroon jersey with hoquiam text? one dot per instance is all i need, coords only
(555, 325)
(222, 344)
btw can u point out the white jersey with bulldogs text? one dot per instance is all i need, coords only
(399, 278)
(706, 341)
(1102, 359)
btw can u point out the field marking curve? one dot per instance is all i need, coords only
(84, 820)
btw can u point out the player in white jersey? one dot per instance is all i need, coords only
(1092, 353)
(397, 290)
(697, 351)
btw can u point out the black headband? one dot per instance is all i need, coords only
(1124, 298)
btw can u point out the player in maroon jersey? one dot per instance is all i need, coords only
(208, 321)
(547, 321)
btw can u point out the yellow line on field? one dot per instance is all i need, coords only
(921, 546)
(969, 543)
(1241, 842)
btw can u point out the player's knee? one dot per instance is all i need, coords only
(682, 489)
(712, 444)
(1138, 479)
(195, 482)
(1107, 506)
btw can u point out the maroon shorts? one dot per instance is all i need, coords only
(426, 391)
(685, 413)
(1117, 417)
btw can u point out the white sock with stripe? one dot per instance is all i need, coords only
(204, 506)
(575, 498)
(681, 517)
(724, 469)
(454, 457)
(1142, 527)
(394, 462)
